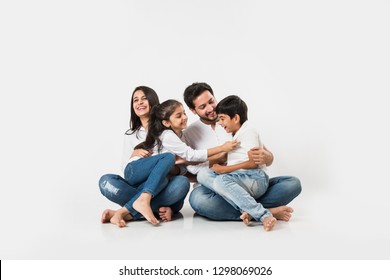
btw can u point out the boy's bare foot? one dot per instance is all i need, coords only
(246, 218)
(109, 213)
(268, 223)
(142, 205)
(282, 213)
(165, 213)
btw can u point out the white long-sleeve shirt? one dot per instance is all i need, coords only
(202, 136)
(173, 144)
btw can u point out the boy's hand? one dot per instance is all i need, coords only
(221, 169)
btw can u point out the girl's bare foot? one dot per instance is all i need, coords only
(109, 213)
(246, 218)
(282, 213)
(165, 213)
(268, 223)
(142, 205)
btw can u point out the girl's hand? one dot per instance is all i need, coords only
(230, 146)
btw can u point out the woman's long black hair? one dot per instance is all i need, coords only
(135, 121)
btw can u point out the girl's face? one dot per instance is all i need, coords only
(140, 104)
(178, 120)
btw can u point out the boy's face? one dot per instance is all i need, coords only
(231, 125)
(205, 105)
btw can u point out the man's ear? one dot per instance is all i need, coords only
(167, 124)
(193, 111)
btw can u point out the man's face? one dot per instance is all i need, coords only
(205, 105)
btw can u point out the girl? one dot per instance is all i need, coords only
(145, 188)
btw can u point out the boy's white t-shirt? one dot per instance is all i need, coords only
(249, 137)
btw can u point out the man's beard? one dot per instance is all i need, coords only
(209, 121)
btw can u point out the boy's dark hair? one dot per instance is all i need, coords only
(232, 105)
(193, 91)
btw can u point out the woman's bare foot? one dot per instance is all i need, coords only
(246, 218)
(282, 213)
(142, 205)
(118, 217)
(268, 223)
(109, 213)
(165, 213)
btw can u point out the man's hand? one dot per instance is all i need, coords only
(260, 156)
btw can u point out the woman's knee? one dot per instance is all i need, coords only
(105, 184)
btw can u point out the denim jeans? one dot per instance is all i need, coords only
(205, 202)
(239, 188)
(146, 175)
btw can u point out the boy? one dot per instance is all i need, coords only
(241, 181)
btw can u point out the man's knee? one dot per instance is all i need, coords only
(295, 186)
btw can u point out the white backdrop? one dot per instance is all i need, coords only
(314, 74)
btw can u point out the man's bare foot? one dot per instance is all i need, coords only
(142, 205)
(109, 213)
(246, 218)
(282, 213)
(268, 223)
(165, 213)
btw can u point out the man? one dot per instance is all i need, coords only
(205, 133)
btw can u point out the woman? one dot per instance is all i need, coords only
(145, 188)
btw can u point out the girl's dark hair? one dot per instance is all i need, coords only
(193, 91)
(159, 113)
(232, 105)
(135, 121)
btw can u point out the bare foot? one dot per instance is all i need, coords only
(282, 213)
(109, 213)
(268, 223)
(142, 205)
(246, 218)
(165, 213)
(117, 218)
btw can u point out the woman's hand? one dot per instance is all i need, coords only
(141, 153)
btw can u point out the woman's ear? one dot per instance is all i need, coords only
(167, 124)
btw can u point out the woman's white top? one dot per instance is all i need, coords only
(129, 142)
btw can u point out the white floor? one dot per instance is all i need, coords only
(314, 232)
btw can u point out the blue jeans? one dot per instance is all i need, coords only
(239, 188)
(146, 175)
(281, 191)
